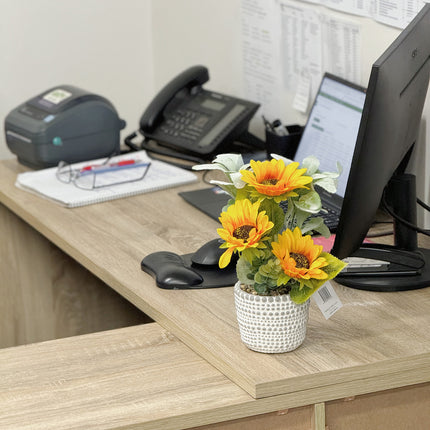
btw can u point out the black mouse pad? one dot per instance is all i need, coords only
(178, 272)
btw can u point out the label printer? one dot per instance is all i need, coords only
(64, 123)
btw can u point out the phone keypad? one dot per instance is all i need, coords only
(185, 124)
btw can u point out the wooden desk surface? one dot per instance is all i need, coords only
(375, 342)
(136, 376)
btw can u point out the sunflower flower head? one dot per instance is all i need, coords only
(300, 258)
(243, 228)
(274, 179)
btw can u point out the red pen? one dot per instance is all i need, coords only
(123, 164)
(106, 166)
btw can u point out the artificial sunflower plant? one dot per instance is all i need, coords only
(273, 205)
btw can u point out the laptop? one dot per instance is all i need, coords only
(329, 134)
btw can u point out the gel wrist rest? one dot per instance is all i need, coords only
(174, 272)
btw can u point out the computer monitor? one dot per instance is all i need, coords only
(388, 130)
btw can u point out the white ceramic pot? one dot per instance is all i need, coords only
(271, 324)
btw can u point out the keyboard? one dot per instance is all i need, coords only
(330, 216)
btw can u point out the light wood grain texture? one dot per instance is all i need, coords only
(381, 339)
(138, 377)
(144, 378)
(291, 419)
(400, 409)
(46, 294)
(318, 416)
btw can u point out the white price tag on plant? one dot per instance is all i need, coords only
(327, 300)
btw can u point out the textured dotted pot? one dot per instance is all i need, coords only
(270, 324)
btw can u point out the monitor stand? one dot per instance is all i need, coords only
(407, 266)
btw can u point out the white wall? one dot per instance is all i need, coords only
(126, 50)
(103, 46)
(188, 32)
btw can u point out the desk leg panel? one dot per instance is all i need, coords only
(291, 419)
(46, 294)
(396, 409)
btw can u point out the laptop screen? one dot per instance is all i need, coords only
(332, 127)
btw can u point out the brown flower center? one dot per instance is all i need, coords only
(300, 259)
(242, 232)
(272, 181)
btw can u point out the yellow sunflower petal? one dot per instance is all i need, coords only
(292, 249)
(275, 179)
(225, 258)
(243, 227)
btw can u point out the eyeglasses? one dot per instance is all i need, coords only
(105, 174)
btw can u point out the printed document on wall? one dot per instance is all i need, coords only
(341, 48)
(301, 35)
(397, 13)
(260, 52)
(314, 41)
(355, 7)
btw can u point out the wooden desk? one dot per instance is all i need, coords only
(375, 342)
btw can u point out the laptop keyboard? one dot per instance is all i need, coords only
(331, 218)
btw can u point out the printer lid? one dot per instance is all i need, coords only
(61, 98)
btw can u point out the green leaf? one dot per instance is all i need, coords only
(300, 296)
(229, 162)
(311, 164)
(301, 217)
(309, 202)
(230, 189)
(261, 289)
(283, 279)
(328, 180)
(316, 224)
(274, 212)
(289, 213)
(323, 230)
(230, 202)
(334, 265)
(303, 290)
(271, 269)
(322, 175)
(236, 179)
(251, 254)
(242, 193)
(329, 184)
(243, 270)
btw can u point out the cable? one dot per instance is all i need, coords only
(130, 144)
(424, 205)
(402, 220)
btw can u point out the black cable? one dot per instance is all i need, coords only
(424, 205)
(402, 220)
(130, 144)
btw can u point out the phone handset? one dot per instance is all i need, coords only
(188, 79)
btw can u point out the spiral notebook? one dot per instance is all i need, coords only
(160, 175)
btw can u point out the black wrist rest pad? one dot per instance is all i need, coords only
(177, 272)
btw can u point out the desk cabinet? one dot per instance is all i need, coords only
(47, 295)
